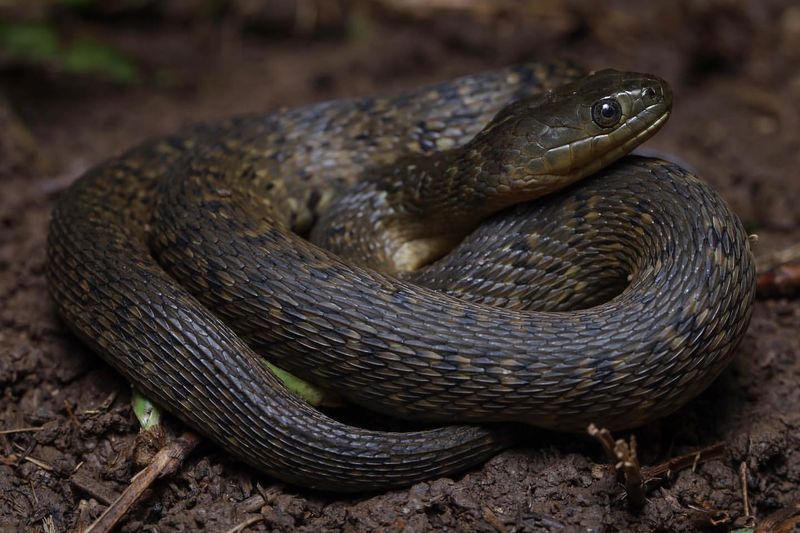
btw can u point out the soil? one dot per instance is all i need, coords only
(735, 70)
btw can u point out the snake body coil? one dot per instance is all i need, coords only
(614, 300)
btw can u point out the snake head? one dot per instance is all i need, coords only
(546, 142)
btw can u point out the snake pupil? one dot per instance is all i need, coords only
(606, 112)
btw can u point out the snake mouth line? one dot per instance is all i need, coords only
(579, 169)
(624, 148)
(649, 131)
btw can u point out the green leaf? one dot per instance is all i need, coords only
(88, 57)
(309, 393)
(32, 43)
(146, 411)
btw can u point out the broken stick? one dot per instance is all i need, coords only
(165, 462)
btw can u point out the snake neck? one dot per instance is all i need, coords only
(413, 213)
(408, 215)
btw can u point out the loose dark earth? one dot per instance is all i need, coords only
(735, 70)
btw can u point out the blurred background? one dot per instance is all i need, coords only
(81, 80)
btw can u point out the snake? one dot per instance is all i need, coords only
(468, 255)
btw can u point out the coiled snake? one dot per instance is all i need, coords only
(614, 300)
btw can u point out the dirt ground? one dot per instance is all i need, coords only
(735, 70)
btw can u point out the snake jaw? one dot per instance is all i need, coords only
(622, 149)
(572, 150)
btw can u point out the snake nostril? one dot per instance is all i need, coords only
(650, 93)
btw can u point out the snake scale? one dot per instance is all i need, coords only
(613, 299)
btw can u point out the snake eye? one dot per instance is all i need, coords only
(606, 112)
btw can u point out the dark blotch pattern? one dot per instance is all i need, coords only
(389, 343)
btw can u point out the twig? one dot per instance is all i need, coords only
(48, 524)
(20, 430)
(264, 496)
(37, 462)
(606, 441)
(626, 464)
(638, 479)
(745, 498)
(665, 470)
(629, 463)
(247, 523)
(252, 504)
(25, 451)
(14, 459)
(165, 462)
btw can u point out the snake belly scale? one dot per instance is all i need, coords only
(613, 300)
